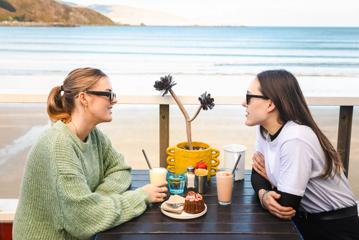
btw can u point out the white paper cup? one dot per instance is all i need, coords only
(230, 156)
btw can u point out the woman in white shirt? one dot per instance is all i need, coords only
(297, 174)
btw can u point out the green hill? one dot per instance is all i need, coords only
(49, 12)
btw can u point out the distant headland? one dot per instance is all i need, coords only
(48, 13)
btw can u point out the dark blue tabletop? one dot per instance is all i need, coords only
(243, 219)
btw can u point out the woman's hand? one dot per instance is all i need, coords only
(156, 193)
(259, 165)
(269, 200)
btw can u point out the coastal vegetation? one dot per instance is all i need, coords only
(48, 12)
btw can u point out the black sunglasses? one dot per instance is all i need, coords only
(249, 96)
(111, 95)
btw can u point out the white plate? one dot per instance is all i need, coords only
(183, 215)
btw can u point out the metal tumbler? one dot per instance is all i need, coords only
(200, 183)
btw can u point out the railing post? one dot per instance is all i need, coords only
(344, 135)
(164, 132)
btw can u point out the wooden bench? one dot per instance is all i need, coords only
(7, 214)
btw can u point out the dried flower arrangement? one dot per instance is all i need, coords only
(165, 85)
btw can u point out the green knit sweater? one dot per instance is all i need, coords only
(73, 189)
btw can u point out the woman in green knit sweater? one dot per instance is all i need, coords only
(75, 183)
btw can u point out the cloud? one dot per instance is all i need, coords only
(253, 12)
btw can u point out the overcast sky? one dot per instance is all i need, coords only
(252, 12)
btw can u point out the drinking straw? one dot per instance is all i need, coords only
(235, 165)
(148, 162)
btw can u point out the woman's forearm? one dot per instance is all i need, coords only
(259, 182)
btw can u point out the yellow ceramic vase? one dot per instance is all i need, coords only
(179, 158)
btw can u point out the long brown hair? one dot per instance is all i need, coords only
(283, 89)
(60, 102)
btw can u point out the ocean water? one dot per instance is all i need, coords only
(221, 60)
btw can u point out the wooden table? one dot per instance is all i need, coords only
(243, 219)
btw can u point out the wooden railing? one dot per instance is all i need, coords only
(346, 105)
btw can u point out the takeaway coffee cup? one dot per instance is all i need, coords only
(231, 153)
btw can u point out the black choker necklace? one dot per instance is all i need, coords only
(274, 136)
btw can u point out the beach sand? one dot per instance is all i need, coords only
(135, 127)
